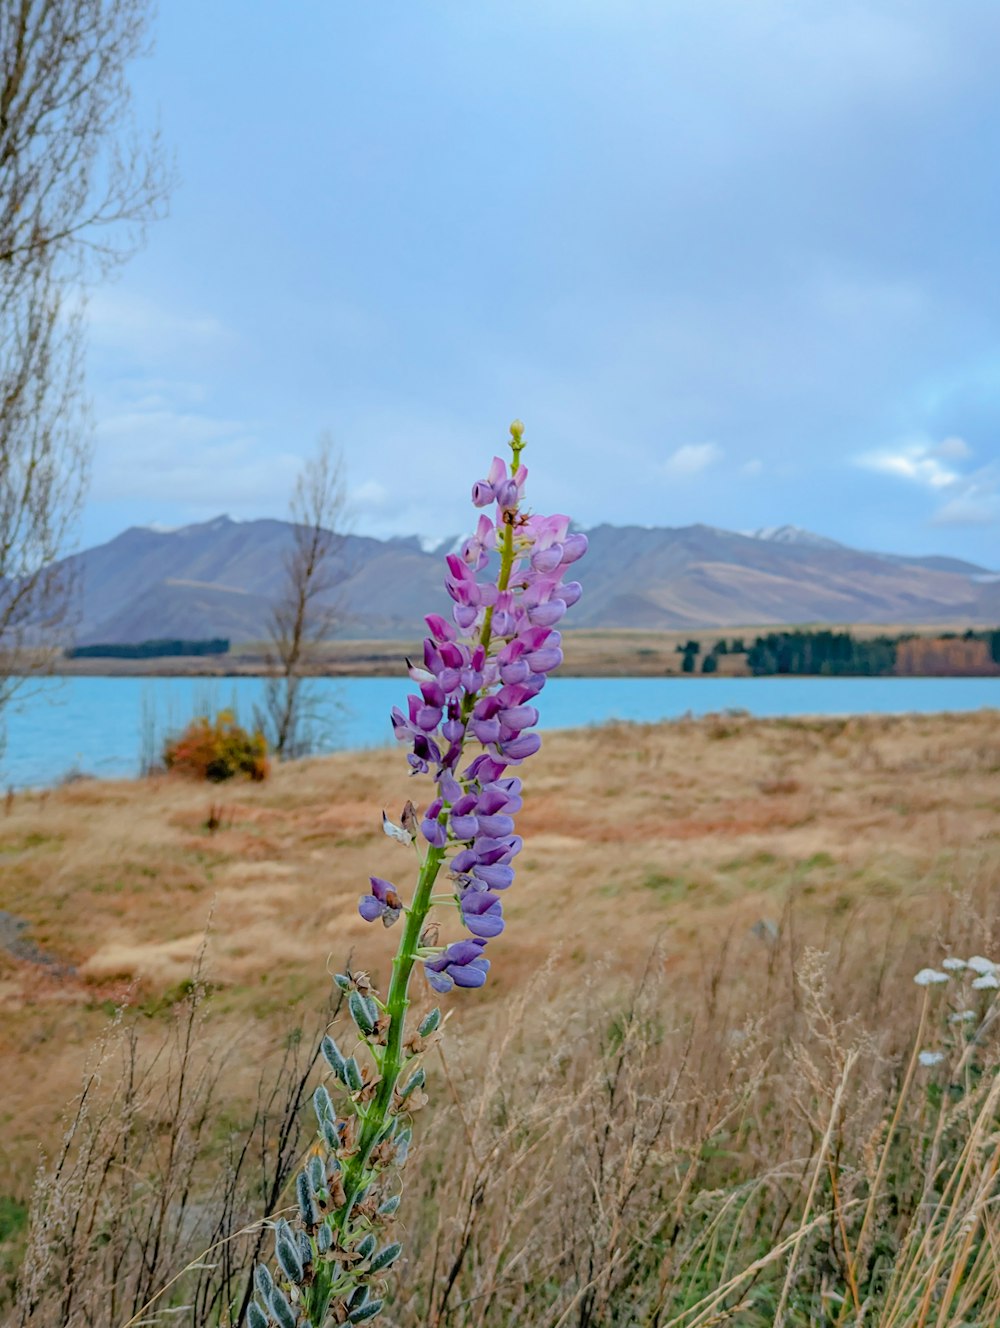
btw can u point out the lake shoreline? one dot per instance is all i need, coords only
(112, 727)
(604, 653)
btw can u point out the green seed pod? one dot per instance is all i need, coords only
(263, 1281)
(288, 1257)
(332, 1164)
(352, 1076)
(360, 1013)
(322, 1104)
(342, 981)
(366, 1312)
(416, 1080)
(307, 1201)
(332, 1055)
(386, 1256)
(328, 1129)
(358, 1297)
(317, 1173)
(365, 1248)
(389, 1207)
(256, 1318)
(281, 1309)
(324, 1238)
(305, 1250)
(429, 1023)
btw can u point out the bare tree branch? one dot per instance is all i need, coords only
(78, 184)
(306, 612)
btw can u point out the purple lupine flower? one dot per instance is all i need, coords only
(383, 902)
(482, 913)
(480, 674)
(462, 964)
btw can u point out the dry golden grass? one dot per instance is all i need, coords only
(700, 832)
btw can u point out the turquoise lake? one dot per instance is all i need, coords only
(96, 725)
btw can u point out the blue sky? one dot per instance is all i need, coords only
(730, 261)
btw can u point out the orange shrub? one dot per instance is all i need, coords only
(217, 749)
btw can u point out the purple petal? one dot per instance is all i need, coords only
(547, 560)
(462, 952)
(524, 745)
(547, 615)
(486, 730)
(520, 717)
(498, 876)
(574, 547)
(369, 908)
(440, 627)
(470, 975)
(463, 827)
(434, 832)
(545, 660)
(439, 981)
(496, 825)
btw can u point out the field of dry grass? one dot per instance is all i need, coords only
(707, 835)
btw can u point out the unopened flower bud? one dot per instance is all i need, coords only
(307, 1202)
(288, 1257)
(429, 1023)
(386, 1256)
(361, 1013)
(366, 1248)
(322, 1104)
(332, 1055)
(416, 1080)
(366, 1312)
(256, 1318)
(352, 1076)
(281, 1309)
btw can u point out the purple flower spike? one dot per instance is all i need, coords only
(481, 671)
(383, 902)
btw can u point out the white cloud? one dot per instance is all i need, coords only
(202, 463)
(919, 462)
(753, 467)
(971, 497)
(976, 502)
(690, 459)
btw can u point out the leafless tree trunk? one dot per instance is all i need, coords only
(77, 186)
(306, 612)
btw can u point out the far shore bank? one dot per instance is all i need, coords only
(607, 653)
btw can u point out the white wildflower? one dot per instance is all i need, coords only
(979, 964)
(953, 964)
(931, 1057)
(961, 1017)
(986, 981)
(930, 976)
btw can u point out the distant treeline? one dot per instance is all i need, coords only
(150, 649)
(843, 654)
